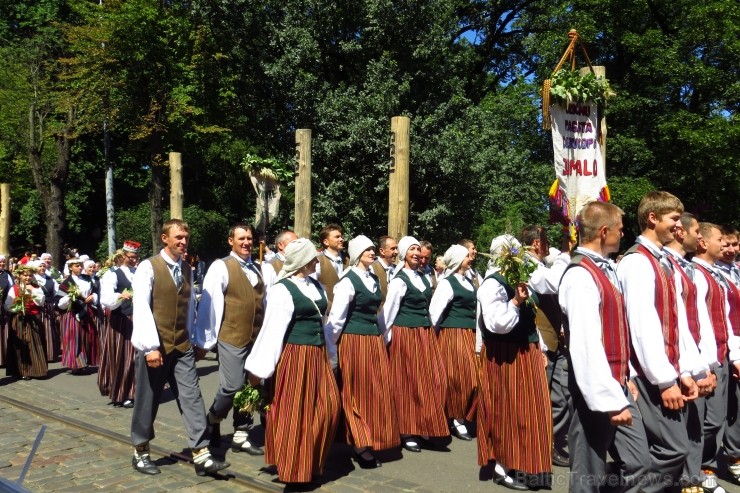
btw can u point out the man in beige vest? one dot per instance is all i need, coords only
(332, 260)
(271, 268)
(164, 307)
(385, 264)
(230, 316)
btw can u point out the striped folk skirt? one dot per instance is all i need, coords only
(368, 406)
(458, 353)
(418, 381)
(80, 343)
(4, 322)
(303, 414)
(116, 372)
(26, 347)
(50, 319)
(514, 417)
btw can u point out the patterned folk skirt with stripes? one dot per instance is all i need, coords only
(80, 343)
(418, 381)
(368, 406)
(50, 319)
(26, 347)
(514, 417)
(458, 353)
(116, 372)
(303, 414)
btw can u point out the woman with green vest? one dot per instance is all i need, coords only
(363, 360)
(303, 414)
(452, 312)
(514, 418)
(417, 371)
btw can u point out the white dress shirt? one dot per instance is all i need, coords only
(268, 347)
(637, 278)
(580, 301)
(37, 296)
(268, 271)
(396, 291)
(109, 298)
(443, 296)
(733, 342)
(335, 261)
(211, 305)
(690, 360)
(145, 336)
(546, 280)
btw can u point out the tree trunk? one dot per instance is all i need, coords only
(155, 192)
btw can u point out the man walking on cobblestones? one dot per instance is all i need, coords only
(163, 325)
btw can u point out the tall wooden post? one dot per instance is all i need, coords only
(5, 218)
(398, 187)
(599, 71)
(303, 182)
(176, 194)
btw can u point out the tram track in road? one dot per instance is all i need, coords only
(230, 477)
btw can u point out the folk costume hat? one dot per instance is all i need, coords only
(74, 260)
(357, 246)
(403, 246)
(298, 254)
(131, 246)
(454, 257)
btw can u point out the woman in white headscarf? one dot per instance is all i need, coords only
(76, 301)
(302, 418)
(363, 360)
(48, 314)
(452, 312)
(26, 338)
(514, 418)
(417, 371)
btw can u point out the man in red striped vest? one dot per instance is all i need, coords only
(729, 268)
(605, 417)
(646, 276)
(712, 295)
(698, 354)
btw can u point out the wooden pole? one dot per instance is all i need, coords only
(599, 71)
(5, 218)
(176, 194)
(303, 182)
(398, 186)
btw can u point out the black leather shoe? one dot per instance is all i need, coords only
(250, 449)
(128, 404)
(462, 436)
(411, 445)
(215, 435)
(144, 465)
(508, 482)
(210, 466)
(366, 463)
(561, 460)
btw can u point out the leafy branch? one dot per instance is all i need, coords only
(570, 87)
(270, 168)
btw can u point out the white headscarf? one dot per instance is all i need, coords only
(403, 246)
(498, 244)
(298, 253)
(454, 257)
(357, 247)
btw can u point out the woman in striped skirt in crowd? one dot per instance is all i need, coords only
(76, 302)
(6, 283)
(417, 369)
(303, 414)
(514, 418)
(452, 311)
(26, 338)
(48, 315)
(363, 360)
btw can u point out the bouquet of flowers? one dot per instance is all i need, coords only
(515, 266)
(250, 399)
(128, 291)
(19, 303)
(73, 291)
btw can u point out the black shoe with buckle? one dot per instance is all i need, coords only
(247, 447)
(364, 463)
(508, 482)
(210, 466)
(411, 445)
(144, 465)
(461, 435)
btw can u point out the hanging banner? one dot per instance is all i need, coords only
(579, 166)
(268, 198)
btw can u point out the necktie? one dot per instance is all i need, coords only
(338, 265)
(177, 275)
(606, 266)
(683, 264)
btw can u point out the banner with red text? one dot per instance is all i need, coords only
(579, 166)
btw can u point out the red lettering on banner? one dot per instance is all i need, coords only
(574, 166)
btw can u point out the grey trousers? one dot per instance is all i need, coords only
(231, 378)
(557, 377)
(715, 418)
(732, 432)
(667, 438)
(693, 414)
(592, 436)
(179, 371)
